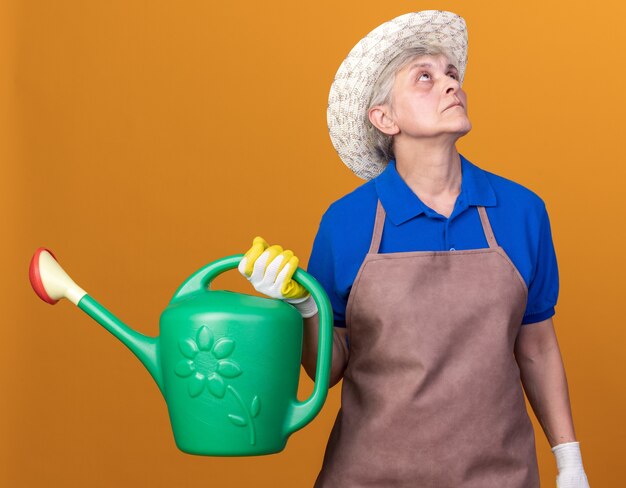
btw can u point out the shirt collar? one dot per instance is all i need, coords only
(402, 204)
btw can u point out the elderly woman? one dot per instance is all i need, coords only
(443, 281)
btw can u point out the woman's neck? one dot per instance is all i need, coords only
(433, 175)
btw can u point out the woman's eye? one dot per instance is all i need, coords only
(426, 73)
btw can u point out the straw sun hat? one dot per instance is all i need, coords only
(351, 89)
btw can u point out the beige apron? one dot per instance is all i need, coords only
(431, 394)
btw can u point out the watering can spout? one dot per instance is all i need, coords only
(51, 283)
(144, 347)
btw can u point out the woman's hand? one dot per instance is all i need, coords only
(270, 269)
(570, 466)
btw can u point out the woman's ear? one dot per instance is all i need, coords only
(380, 118)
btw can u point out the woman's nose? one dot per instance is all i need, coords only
(452, 85)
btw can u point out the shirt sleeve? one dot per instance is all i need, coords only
(323, 268)
(543, 290)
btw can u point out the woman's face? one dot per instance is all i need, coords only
(422, 94)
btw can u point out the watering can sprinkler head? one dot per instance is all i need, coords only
(49, 279)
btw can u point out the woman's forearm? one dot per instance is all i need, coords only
(309, 350)
(545, 383)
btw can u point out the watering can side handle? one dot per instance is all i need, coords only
(301, 413)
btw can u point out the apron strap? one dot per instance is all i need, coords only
(380, 221)
(491, 239)
(378, 228)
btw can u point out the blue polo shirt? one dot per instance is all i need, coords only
(518, 218)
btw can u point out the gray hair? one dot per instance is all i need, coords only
(381, 92)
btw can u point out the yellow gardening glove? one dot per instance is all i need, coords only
(270, 270)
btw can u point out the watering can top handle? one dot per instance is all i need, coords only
(202, 279)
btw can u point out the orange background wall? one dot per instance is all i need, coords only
(142, 140)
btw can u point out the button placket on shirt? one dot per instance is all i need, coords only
(446, 234)
(458, 208)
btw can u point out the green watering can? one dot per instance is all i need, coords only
(227, 363)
